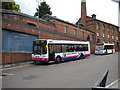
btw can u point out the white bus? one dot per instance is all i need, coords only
(46, 50)
(104, 48)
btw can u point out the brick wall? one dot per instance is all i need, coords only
(52, 29)
(9, 57)
(113, 30)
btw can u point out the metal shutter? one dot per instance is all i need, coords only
(17, 42)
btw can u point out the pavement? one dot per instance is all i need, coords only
(15, 65)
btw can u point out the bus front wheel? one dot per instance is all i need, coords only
(36, 62)
(58, 59)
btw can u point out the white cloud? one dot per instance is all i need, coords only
(27, 6)
(70, 10)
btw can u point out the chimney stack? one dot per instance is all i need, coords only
(83, 1)
(93, 16)
(83, 13)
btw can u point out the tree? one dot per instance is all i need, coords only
(10, 6)
(43, 9)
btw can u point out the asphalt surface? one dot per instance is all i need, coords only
(73, 74)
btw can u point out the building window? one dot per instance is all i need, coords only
(98, 40)
(103, 35)
(103, 27)
(75, 31)
(117, 44)
(88, 38)
(113, 30)
(98, 34)
(108, 29)
(97, 26)
(83, 34)
(112, 37)
(31, 24)
(116, 38)
(93, 37)
(65, 29)
(116, 31)
(103, 41)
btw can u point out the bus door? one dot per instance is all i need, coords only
(51, 52)
(105, 48)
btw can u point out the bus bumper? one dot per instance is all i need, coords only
(40, 60)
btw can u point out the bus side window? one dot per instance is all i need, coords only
(65, 48)
(57, 48)
(71, 49)
(105, 47)
(77, 48)
(74, 48)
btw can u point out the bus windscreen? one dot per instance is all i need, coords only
(99, 47)
(39, 47)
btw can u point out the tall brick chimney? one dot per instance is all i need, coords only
(83, 14)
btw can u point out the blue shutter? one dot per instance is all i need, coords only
(17, 42)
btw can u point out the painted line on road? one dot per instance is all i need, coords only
(14, 67)
(112, 83)
(7, 74)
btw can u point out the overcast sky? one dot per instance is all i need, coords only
(70, 10)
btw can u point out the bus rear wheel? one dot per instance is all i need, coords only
(106, 53)
(82, 56)
(58, 59)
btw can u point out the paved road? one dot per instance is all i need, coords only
(73, 74)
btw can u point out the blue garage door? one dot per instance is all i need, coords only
(17, 42)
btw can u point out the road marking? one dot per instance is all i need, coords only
(14, 67)
(7, 74)
(112, 83)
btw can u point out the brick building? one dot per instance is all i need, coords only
(104, 32)
(19, 30)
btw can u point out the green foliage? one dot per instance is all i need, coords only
(43, 9)
(10, 6)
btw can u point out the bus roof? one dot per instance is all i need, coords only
(64, 41)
